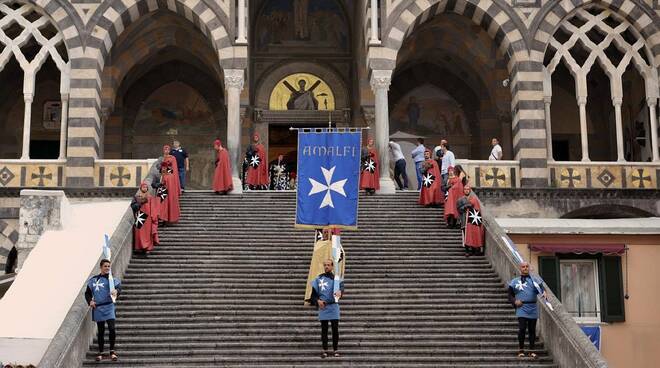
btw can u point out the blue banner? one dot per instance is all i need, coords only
(328, 179)
(593, 333)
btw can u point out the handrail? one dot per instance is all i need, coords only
(568, 345)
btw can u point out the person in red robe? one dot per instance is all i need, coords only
(370, 175)
(257, 169)
(169, 207)
(222, 183)
(471, 221)
(430, 195)
(167, 157)
(455, 183)
(145, 228)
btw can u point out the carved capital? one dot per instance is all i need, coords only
(234, 78)
(380, 79)
(652, 101)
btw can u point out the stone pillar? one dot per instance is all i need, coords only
(380, 84)
(240, 37)
(547, 100)
(582, 103)
(653, 118)
(27, 117)
(617, 101)
(234, 79)
(64, 125)
(40, 210)
(374, 23)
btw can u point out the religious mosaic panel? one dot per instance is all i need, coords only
(302, 91)
(606, 177)
(430, 112)
(284, 26)
(37, 175)
(495, 177)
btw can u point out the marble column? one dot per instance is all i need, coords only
(64, 125)
(547, 100)
(27, 117)
(380, 84)
(240, 37)
(374, 23)
(617, 101)
(584, 138)
(234, 79)
(653, 118)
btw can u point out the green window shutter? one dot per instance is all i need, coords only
(611, 290)
(549, 271)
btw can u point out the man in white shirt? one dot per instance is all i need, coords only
(399, 165)
(448, 160)
(418, 157)
(496, 152)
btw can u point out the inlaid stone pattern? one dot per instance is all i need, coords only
(31, 175)
(605, 177)
(120, 175)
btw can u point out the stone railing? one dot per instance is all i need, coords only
(121, 173)
(492, 174)
(605, 175)
(70, 344)
(32, 173)
(569, 346)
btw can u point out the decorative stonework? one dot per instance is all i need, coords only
(604, 176)
(121, 173)
(381, 79)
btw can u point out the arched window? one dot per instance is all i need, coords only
(28, 41)
(607, 59)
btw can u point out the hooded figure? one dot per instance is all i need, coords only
(370, 170)
(145, 228)
(222, 182)
(169, 206)
(430, 193)
(257, 166)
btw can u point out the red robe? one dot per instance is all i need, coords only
(147, 236)
(257, 176)
(169, 208)
(175, 168)
(454, 193)
(474, 234)
(371, 180)
(432, 195)
(222, 178)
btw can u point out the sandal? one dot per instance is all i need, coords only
(324, 354)
(532, 355)
(99, 357)
(336, 354)
(113, 356)
(521, 354)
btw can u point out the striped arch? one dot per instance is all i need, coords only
(639, 14)
(504, 27)
(504, 30)
(86, 117)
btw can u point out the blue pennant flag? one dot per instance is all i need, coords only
(328, 179)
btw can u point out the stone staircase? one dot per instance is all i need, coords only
(226, 286)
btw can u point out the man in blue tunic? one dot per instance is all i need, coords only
(328, 306)
(523, 291)
(99, 297)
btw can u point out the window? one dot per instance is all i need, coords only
(579, 289)
(589, 286)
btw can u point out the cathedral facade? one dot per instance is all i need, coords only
(93, 89)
